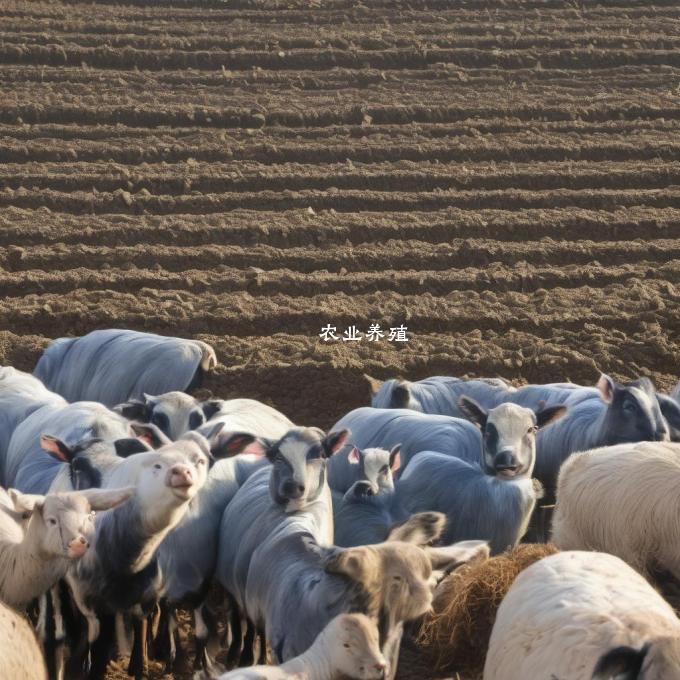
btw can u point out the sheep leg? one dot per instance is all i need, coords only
(163, 642)
(59, 632)
(101, 647)
(248, 653)
(138, 666)
(236, 633)
(262, 659)
(205, 627)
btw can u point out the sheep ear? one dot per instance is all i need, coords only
(128, 446)
(549, 415)
(349, 562)
(334, 441)
(473, 411)
(623, 663)
(134, 410)
(670, 410)
(150, 434)
(395, 458)
(401, 395)
(150, 399)
(25, 502)
(421, 529)
(208, 356)
(56, 448)
(607, 388)
(451, 556)
(105, 499)
(211, 407)
(354, 456)
(374, 385)
(238, 442)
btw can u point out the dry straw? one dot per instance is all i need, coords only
(456, 635)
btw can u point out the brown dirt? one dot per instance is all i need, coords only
(501, 176)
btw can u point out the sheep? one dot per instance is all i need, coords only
(188, 554)
(21, 657)
(621, 499)
(120, 573)
(295, 480)
(54, 530)
(413, 431)
(623, 413)
(348, 647)
(111, 366)
(577, 615)
(375, 465)
(83, 423)
(20, 395)
(174, 413)
(437, 395)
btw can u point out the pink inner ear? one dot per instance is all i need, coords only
(256, 448)
(341, 442)
(354, 456)
(396, 463)
(146, 438)
(52, 446)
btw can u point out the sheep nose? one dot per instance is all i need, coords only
(381, 668)
(505, 460)
(293, 489)
(78, 546)
(181, 475)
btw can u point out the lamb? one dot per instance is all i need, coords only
(624, 413)
(20, 395)
(54, 530)
(576, 615)
(413, 431)
(490, 500)
(188, 554)
(21, 656)
(378, 466)
(120, 573)
(77, 426)
(111, 366)
(348, 647)
(295, 481)
(622, 500)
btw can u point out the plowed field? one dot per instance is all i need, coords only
(501, 177)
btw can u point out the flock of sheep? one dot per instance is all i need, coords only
(125, 499)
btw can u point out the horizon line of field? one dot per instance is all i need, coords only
(17, 284)
(342, 201)
(323, 178)
(286, 229)
(418, 255)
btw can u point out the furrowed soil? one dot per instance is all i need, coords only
(502, 177)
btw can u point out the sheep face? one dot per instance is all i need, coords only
(633, 412)
(377, 466)
(171, 476)
(394, 577)
(299, 465)
(509, 436)
(355, 647)
(173, 413)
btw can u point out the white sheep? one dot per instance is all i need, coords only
(622, 500)
(20, 655)
(348, 646)
(581, 615)
(53, 530)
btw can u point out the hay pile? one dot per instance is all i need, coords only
(455, 637)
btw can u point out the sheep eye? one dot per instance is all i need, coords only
(158, 466)
(52, 521)
(345, 645)
(397, 578)
(25, 515)
(384, 469)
